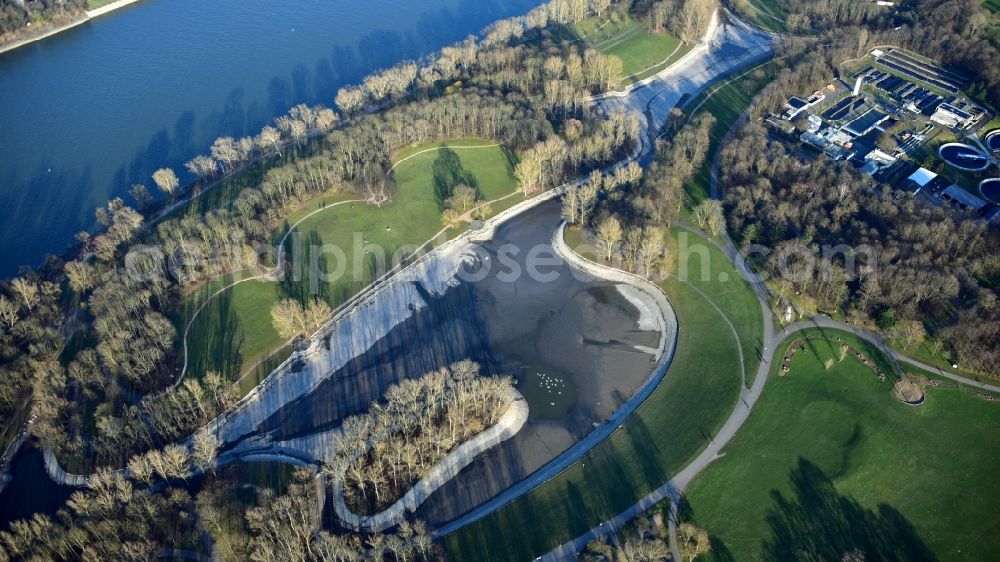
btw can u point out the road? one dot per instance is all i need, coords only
(727, 46)
(674, 488)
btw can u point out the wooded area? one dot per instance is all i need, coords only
(382, 453)
(91, 344)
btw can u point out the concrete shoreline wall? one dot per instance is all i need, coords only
(87, 16)
(512, 420)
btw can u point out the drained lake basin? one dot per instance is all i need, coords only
(573, 343)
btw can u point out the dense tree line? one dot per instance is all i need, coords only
(686, 19)
(628, 226)
(280, 527)
(109, 520)
(646, 539)
(128, 277)
(662, 194)
(30, 317)
(925, 262)
(819, 16)
(381, 454)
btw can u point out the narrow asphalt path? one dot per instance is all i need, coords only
(674, 488)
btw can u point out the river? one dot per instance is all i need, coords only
(88, 112)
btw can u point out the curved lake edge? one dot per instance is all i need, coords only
(361, 300)
(511, 421)
(566, 459)
(61, 163)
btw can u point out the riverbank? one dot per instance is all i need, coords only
(87, 16)
(17, 43)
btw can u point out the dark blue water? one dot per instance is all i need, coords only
(991, 189)
(993, 140)
(31, 490)
(963, 157)
(86, 113)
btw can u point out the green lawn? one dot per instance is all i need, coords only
(642, 53)
(672, 426)
(830, 461)
(771, 15)
(927, 155)
(234, 331)
(727, 290)
(726, 103)
(92, 4)
(992, 5)
(926, 353)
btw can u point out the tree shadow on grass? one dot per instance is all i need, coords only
(818, 523)
(448, 172)
(642, 440)
(308, 277)
(215, 339)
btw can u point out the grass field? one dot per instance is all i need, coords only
(992, 5)
(642, 53)
(926, 353)
(726, 103)
(672, 426)
(768, 14)
(830, 461)
(234, 331)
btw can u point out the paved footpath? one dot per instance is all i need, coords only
(674, 488)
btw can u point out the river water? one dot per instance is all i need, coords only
(88, 112)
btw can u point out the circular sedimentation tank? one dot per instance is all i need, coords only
(992, 140)
(990, 188)
(964, 157)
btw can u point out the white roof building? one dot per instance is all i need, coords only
(922, 177)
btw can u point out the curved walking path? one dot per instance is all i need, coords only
(674, 488)
(510, 422)
(664, 357)
(266, 275)
(273, 274)
(434, 148)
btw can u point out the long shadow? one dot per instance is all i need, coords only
(448, 173)
(30, 490)
(215, 339)
(819, 523)
(307, 278)
(642, 439)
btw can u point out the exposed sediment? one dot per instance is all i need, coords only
(512, 420)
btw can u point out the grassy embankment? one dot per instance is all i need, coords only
(699, 391)
(771, 15)
(926, 352)
(869, 471)
(642, 53)
(234, 331)
(726, 102)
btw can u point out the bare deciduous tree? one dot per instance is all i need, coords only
(609, 234)
(167, 181)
